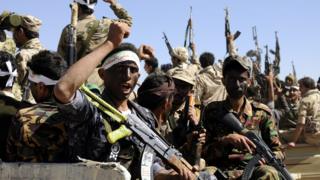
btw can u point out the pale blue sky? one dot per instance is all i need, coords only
(296, 21)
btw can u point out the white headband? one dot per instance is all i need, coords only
(40, 78)
(119, 57)
(86, 3)
(10, 72)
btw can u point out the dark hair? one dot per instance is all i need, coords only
(166, 67)
(152, 62)
(206, 59)
(307, 82)
(49, 64)
(85, 9)
(4, 57)
(149, 100)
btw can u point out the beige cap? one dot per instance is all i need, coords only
(184, 75)
(181, 53)
(29, 22)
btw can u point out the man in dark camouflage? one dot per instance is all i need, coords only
(87, 125)
(227, 149)
(38, 133)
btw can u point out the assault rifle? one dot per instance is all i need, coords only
(266, 62)
(230, 41)
(276, 62)
(258, 50)
(132, 125)
(188, 39)
(72, 35)
(168, 44)
(262, 150)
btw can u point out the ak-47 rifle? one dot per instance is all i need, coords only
(168, 44)
(262, 150)
(188, 39)
(266, 62)
(276, 62)
(131, 125)
(258, 50)
(294, 72)
(72, 35)
(231, 50)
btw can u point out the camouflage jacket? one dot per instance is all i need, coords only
(8, 46)
(8, 108)
(309, 112)
(38, 134)
(91, 32)
(209, 85)
(24, 54)
(254, 116)
(87, 133)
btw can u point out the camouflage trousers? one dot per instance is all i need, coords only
(263, 172)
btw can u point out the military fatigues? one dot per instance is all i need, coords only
(38, 134)
(309, 115)
(8, 46)
(8, 109)
(87, 134)
(24, 54)
(209, 85)
(91, 32)
(254, 116)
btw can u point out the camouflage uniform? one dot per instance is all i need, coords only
(25, 53)
(8, 46)
(254, 116)
(209, 85)
(91, 32)
(309, 114)
(87, 134)
(8, 109)
(38, 134)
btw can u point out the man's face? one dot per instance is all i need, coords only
(294, 94)
(16, 34)
(183, 89)
(236, 83)
(121, 79)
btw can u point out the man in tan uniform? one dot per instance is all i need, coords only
(209, 86)
(91, 32)
(26, 36)
(308, 122)
(179, 61)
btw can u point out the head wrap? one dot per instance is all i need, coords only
(37, 78)
(121, 56)
(11, 74)
(87, 3)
